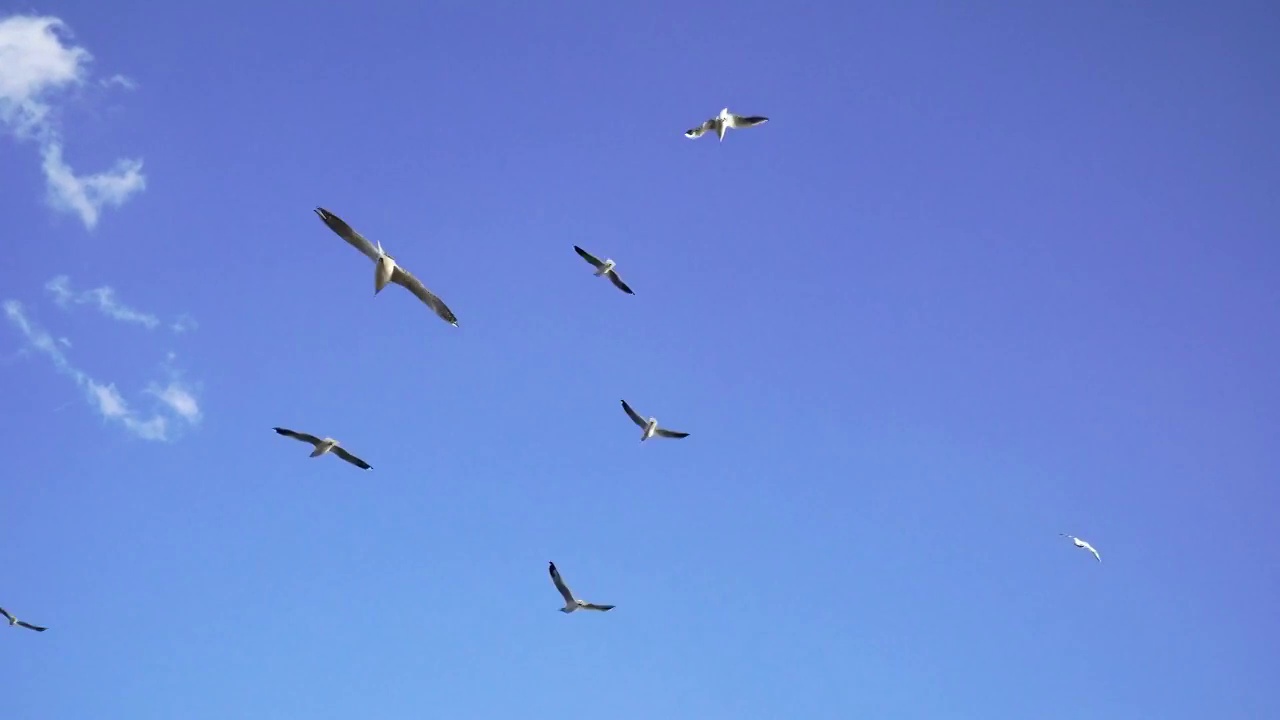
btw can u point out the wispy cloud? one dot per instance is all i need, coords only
(103, 297)
(183, 324)
(173, 400)
(121, 80)
(35, 66)
(108, 303)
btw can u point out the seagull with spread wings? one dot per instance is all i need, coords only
(385, 269)
(15, 621)
(650, 426)
(604, 268)
(324, 446)
(572, 603)
(1082, 544)
(723, 122)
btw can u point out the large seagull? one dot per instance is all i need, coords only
(722, 122)
(604, 268)
(650, 426)
(1082, 544)
(572, 603)
(324, 446)
(385, 269)
(20, 623)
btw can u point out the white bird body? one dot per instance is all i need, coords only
(572, 603)
(722, 122)
(324, 446)
(1083, 545)
(604, 268)
(15, 622)
(649, 427)
(383, 270)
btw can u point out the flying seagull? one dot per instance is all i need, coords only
(572, 603)
(15, 621)
(650, 426)
(1082, 544)
(723, 122)
(604, 268)
(385, 268)
(325, 445)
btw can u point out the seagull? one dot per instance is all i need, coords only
(1082, 544)
(15, 621)
(723, 122)
(604, 268)
(572, 603)
(650, 426)
(325, 445)
(385, 267)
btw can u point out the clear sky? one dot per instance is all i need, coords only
(988, 274)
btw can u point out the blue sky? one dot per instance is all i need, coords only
(987, 275)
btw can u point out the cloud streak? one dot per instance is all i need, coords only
(35, 66)
(104, 298)
(175, 398)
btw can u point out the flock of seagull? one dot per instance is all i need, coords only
(386, 270)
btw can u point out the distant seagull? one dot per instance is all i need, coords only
(572, 603)
(325, 445)
(385, 268)
(723, 122)
(1082, 544)
(15, 621)
(650, 426)
(604, 268)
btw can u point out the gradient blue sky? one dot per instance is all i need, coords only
(988, 274)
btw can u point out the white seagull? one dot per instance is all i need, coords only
(572, 603)
(650, 426)
(385, 269)
(1082, 544)
(723, 122)
(324, 446)
(604, 268)
(15, 621)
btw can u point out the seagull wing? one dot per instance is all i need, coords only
(613, 276)
(7, 616)
(663, 432)
(1089, 547)
(405, 279)
(601, 608)
(595, 261)
(29, 626)
(635, 417)
(746, 121)
(342, 453)
(346, 232)
(298, 436)
(564, 589)
(697, 132)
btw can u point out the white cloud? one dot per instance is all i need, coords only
(35, 65)
(104, 298)
(179, 399)
(86, 195)
(105, 398)
(184, 323)
(121, 80)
